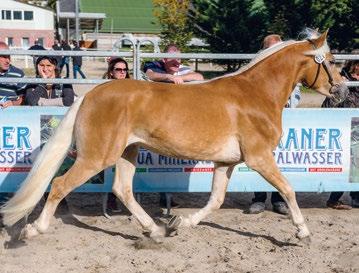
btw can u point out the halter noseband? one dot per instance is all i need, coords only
(320, 60)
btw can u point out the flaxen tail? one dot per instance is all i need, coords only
(47, 163)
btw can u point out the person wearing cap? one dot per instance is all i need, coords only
(11, 94)
(49, 94)
(170, 69)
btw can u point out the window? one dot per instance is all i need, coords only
(17, 15)
(28, 15)
(25, 42)
(6, 14)
(10, 41)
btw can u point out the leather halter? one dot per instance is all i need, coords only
(320, 60)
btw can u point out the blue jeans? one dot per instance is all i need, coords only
(77, 68)
(65, 62)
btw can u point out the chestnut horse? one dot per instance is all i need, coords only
(231, 119)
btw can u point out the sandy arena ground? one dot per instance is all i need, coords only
(227, 241)
(82, 240)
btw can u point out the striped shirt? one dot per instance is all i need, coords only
(12, 90)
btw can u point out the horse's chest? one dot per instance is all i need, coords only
(229, 152)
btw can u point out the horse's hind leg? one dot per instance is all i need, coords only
(221, 176)
(122, 188)
(78, 174)
(266, 166)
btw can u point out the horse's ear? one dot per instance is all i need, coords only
(321, 39)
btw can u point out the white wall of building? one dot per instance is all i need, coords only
(42, 19)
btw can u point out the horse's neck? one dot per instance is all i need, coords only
(277, 75)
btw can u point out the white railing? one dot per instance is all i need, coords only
(136, 56)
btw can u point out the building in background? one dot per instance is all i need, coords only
(21, 24)
(105, 22)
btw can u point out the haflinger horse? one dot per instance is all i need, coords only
(228, 120)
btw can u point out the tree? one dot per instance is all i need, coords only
(290, 17)
(341, 17)
(172, 16)
(230, 26)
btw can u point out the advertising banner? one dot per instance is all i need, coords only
(318, 151)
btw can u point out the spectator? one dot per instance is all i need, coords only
(49, 94)
(57, 46)
(36, 46)
(350, 72)
(170, 70)
(117, 69)
(77, 62)
(278, 204)
(11, 94)
(65, 59)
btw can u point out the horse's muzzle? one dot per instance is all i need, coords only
(339, 92)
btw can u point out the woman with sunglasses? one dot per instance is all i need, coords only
(117, 69)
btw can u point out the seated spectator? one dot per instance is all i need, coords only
(49, 94)
(11, 94)
(350, 72)
(170, 70)
(117, 69)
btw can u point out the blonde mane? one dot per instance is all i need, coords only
(262, 55)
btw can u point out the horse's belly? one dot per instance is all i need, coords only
(227, 150)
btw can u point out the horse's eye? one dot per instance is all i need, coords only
(332, 62)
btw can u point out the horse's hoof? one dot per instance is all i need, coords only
(306, 240)
(28, 232)
(172, 226)
(157, 239)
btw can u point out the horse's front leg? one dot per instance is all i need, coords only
(266, 166)
(222, 173)
(122, 188)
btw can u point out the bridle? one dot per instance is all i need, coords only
(321, 61)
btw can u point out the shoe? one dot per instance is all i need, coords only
(256, 207)
(338, 205)
(281, 208)
(355, 203)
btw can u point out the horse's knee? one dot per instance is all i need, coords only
(57, 189)
(123, 194)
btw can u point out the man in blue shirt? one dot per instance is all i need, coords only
(10, 93)
(170, 69)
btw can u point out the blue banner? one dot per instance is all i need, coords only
(318, 151)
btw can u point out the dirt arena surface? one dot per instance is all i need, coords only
(81, 239)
